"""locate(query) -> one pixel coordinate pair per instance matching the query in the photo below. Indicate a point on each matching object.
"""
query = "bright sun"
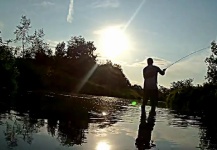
(114, 42)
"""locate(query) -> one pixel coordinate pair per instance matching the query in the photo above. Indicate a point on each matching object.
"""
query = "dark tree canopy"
(22, 33)
(8, 68)
(182, 84)
(212, 64)
(60, 50)
(78, 48)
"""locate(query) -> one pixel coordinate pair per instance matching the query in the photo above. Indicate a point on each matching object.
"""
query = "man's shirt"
(150, 74)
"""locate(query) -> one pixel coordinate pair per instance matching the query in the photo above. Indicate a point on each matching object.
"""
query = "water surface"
(79, 122)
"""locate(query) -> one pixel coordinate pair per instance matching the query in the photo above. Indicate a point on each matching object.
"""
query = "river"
(81, 122)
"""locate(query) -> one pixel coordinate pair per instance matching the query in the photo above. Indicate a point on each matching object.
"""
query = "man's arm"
(162, 72)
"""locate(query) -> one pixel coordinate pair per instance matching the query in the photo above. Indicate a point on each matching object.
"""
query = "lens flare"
(104, 113)
(134, 103)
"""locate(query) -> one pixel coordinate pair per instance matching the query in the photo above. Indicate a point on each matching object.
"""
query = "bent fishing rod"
(187, 56)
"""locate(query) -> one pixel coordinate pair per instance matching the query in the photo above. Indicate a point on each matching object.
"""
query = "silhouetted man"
(150, 74)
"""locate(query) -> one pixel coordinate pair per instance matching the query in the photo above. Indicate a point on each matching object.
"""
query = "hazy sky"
(134, 29)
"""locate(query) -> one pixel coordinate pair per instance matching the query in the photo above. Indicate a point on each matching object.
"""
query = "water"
(64, 122)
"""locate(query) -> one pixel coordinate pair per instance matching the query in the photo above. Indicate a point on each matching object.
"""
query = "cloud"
(105, 3)
(157, 61)
(53, 44)
(70, 13)
(45, 4)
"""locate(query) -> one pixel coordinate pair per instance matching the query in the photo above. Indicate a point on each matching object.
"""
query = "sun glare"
(114, 42)
(104, 113)
(103, 146)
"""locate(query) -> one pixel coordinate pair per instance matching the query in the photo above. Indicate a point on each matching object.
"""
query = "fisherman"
(150, 73)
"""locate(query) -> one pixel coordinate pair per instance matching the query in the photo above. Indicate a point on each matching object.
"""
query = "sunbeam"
(134, 15)
(84, 80)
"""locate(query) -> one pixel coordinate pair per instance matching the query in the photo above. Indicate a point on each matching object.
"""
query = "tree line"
(71, 68)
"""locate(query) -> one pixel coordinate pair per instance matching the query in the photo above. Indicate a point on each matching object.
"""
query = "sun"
(113, 42)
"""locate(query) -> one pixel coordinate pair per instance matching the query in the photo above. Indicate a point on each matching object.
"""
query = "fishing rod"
(187, 56)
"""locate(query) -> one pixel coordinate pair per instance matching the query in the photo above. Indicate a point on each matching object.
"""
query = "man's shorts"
(151, 95)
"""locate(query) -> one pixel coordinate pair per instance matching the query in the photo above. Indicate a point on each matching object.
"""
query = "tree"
(212, 64)
(1, 42)
(39, 48)
(182, 84)
(8, 70)
(80, 56)
(60, 50)
(78, 48)
(22, 32)
(111, 76)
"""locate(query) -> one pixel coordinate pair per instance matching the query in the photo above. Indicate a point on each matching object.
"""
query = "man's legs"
(145, 100)
(153, 99)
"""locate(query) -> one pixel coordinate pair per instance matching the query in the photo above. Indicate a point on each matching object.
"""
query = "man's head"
(150, 61)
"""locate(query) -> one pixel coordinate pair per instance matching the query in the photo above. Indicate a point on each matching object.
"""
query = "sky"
(126, 32)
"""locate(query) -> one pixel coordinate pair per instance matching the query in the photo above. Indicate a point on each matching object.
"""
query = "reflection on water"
(143, 141)
(103, 146)
(95, 123)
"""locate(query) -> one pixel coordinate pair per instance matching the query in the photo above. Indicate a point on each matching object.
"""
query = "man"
(150, 74)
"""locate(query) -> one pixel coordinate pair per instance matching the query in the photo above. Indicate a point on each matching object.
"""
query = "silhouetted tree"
(163, 93)
(111, 76)
(22, 31)
(1, 42)
(60, 50)
(78, 48)
(80, 54)
(8, 69)
(39, 48)
(182, 84)
(212, 64)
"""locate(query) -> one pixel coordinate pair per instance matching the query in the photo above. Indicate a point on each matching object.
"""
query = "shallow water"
(96, 123)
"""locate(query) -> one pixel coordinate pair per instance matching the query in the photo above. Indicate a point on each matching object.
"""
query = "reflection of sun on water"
(104, 113)
(103, 146)
(114, 42)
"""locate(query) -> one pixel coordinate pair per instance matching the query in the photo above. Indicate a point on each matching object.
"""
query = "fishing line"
(187, 56)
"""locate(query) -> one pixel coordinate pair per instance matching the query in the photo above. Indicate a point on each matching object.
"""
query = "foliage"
(22, 33)
(72, 64)
(183, 96)
(138, 89)
(8, 70)
(60, 50)
(163, 93)
(182, 84)
(39, 49)
(111, 76)
(212, 64)
(78, 48)
(199, 99)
